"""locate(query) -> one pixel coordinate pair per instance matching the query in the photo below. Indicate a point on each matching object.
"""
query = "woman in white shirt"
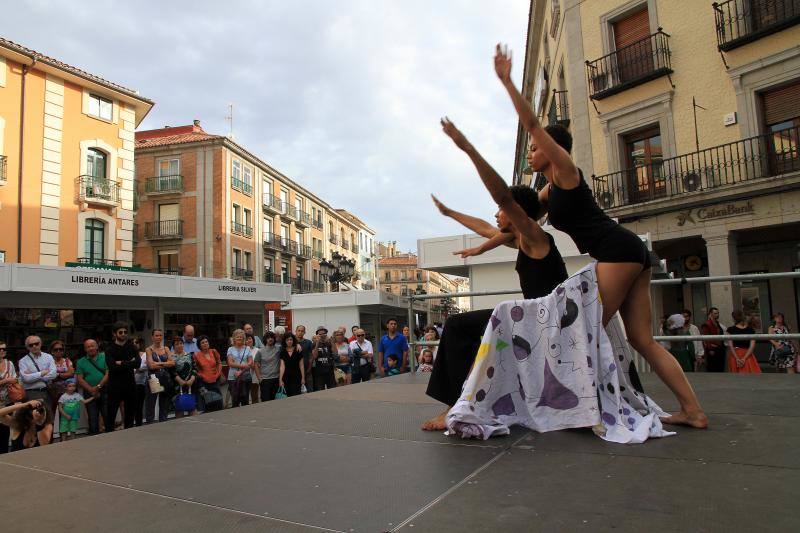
(363, 355)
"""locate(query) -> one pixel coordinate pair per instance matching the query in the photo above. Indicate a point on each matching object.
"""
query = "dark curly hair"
(560, 135)
(528, 200)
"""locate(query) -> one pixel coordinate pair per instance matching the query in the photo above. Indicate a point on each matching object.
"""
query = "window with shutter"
(634, 49)
(781, 108)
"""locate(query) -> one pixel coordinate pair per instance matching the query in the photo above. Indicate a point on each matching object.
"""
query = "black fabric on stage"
(461, 338)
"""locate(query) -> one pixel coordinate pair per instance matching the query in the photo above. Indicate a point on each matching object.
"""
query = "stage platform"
(353, 459)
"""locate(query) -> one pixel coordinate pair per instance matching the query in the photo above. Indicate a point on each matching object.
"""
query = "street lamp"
(338, 270)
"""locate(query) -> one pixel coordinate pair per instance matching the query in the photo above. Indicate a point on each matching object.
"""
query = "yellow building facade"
(66, 162)
(686, 124)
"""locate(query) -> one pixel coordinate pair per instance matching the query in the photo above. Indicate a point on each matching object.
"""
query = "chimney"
(196, 125)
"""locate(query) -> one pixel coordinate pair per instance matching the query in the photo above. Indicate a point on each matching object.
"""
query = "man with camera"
(363, 362)
(322, 360)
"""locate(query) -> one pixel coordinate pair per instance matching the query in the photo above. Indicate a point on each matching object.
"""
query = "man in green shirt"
(92, 374)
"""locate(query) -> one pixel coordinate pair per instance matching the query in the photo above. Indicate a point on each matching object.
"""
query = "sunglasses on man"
(34, 344)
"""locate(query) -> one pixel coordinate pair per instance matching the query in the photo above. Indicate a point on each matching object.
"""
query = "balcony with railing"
(559, 109)
(164, 185)
(242, 186)
(163, 229)
(273, 241)
(317, 223)
(97, 262)
(303, 219)
(94, 189)
(304, 251)
(740, 168)
(3, 161)
(238, 228)
(289, 211)
(300, 285)
(345, 244)
(354, 248)
(271, 277)
(318, 287)
(242, 273)
(318, 254)
(739, 22)
(333, 239)
(271, 203)
(632, 65)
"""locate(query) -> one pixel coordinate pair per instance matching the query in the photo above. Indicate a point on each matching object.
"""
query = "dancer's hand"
(454, 133)
(502, 63)
(468, 252)
(443, 209)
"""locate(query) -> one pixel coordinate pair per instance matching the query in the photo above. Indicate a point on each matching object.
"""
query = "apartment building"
(398, 273)
(359, 240)
(66, 162)
(686, 120)
(209, 207)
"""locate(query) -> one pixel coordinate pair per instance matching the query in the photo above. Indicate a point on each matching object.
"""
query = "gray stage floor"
(353, 459)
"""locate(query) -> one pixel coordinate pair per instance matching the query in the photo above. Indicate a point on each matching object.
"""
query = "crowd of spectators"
(121, 383)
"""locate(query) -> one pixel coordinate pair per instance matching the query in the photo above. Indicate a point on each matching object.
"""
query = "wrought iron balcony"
(94, 189)
(304, 251)
(97, 262)
(319, 254)
(303, 219)
(317, 223)
(289, 211)
(559, 109)
(242, 273)
(333, 239)
(3, 160)
(345, 244)
(271, 277)
(242, 186)
(720, 168)
(354, 248)
(163, 229)
(271, 203)
(240, 229)
(629, 66)
(164, 184)
(318, 287)
(273, 241)
(300, 285)
(739, 22)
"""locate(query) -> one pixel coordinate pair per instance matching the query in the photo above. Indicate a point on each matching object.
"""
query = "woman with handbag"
(741, 359)
(783, 354)
(159, 363)
(64, 371)
(10, 392)
(185, 379)
(209, 371)
(291, 375)
(344, 356)
(240, 361)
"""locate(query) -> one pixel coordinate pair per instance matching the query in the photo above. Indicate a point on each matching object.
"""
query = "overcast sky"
(342, 96)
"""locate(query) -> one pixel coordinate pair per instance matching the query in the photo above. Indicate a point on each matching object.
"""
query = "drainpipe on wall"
(25, 69)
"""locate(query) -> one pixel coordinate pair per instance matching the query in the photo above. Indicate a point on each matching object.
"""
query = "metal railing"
(163, 229)
(345, 244)
(273, 241)
(241, 229)
(762, 156)
(333, 239)
(97, 189)
(354, 248)
(272, 202)
(304, 251)
(300, 285)
(631, 65)
(242, 273)
(242, 186)
(92, 261)
(559, 109)
(739, 22)
(303, 218)
(271, 277)
(289, 211)
(319, 254)
(3, 166)
(641, 364)
(317, 223)
(163, 184)
(318, 287)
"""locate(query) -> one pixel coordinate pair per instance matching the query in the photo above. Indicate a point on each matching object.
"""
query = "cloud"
(344, 97)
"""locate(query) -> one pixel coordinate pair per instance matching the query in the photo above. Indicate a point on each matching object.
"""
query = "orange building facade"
(66, 162)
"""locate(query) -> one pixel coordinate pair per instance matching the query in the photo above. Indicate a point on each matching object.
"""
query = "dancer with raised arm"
(623, 263)
(539, 265)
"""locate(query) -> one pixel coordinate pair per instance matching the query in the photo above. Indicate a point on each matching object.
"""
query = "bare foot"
(698, 419)
(437, 422)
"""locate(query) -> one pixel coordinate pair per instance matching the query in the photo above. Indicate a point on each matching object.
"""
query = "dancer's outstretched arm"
(479, 226)
(498, 188)
(566, 175)
(499, 239)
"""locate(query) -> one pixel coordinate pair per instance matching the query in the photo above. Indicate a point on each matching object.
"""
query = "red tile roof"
(69, 68)
(176, 135)
(398, 260)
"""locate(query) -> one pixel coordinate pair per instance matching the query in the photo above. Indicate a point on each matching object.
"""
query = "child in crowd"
(426, 361)
(393, 370)
(69, 405)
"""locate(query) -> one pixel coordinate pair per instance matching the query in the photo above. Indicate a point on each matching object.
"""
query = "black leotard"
(575, 212)
(538, 277)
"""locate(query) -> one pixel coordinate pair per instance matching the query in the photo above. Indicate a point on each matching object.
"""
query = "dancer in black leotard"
(623, 265)
(539, 266)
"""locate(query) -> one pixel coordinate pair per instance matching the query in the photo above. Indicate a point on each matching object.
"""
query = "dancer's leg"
(636, 314)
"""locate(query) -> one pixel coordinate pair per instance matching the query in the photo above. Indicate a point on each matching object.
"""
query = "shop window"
(644, 155)
(101, 107)
(781, 110)
(95, 238)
